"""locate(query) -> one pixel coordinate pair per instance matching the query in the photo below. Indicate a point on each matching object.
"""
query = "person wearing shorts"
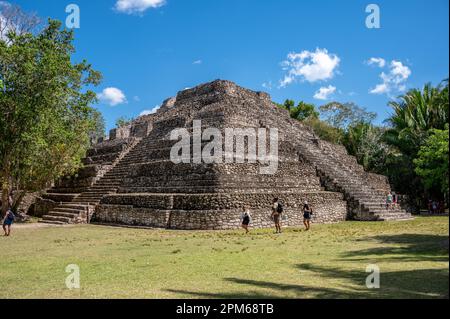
(307, 216)
(246, 219)
(276, 215)
(7, 222)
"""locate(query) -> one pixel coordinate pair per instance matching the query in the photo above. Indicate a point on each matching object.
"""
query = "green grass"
(328, 262)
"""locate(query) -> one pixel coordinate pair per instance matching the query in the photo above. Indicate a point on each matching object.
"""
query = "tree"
(123, 121)
(364, 141)
(343, 115)
(13, 18)
(304, 111)
(289, 104)
(99, 129)
(308, 114)
(45, 107)
(432, 161)
(415, 114)
(300, 112)
(324, 130)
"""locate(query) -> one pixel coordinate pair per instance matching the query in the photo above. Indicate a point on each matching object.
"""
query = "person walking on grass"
(277, 211)
(246, 218)
(307, 215)
(8, 220)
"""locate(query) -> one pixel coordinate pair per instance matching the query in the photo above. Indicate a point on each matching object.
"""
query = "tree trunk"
(5, 195)
(5, 184)
(18, 201)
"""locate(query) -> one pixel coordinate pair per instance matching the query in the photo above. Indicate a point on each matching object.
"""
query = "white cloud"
(309, 66)
(112, 96)
(380, 62)
(324, 92)
(197, 62)
(152, 111)
(267, 85)
(137, 6)
(394, 80)
(380, 89)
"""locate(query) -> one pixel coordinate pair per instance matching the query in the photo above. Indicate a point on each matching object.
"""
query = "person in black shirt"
(307, 216)
(246, 218)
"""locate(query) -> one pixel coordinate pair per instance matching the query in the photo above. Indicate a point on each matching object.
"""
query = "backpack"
(11, 216)
(280, 208)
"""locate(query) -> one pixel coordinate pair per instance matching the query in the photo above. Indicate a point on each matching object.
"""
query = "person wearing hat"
(307, 215)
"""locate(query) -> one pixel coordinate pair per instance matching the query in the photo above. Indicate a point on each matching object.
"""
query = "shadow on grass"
(416, 283)
(408, 248)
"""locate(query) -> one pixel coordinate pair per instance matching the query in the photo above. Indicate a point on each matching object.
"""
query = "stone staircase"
(340, 172)
(80, 209)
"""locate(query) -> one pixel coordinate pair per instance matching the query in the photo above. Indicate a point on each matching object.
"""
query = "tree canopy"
(45, 102)
(432, 161)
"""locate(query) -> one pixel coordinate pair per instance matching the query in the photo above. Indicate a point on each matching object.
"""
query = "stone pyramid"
(132, 178)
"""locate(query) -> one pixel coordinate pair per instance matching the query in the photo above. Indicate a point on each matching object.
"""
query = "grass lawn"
(328, 262)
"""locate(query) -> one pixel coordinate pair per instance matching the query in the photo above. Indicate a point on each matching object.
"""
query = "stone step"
(62, 214)
(384, 213)
(91, 198)
(61, 219)
(73, 206)
(406, 218)
(52, 222)
(100, 192)
(91, 202)
(68, 210)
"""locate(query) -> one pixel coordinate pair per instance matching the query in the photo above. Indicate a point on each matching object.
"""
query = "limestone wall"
(216, 211)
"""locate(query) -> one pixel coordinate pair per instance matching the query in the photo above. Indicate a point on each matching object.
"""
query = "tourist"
(307, 215)
(277, 211)
(246, 218)
(434, 207)
(8, 220)
(389, 200)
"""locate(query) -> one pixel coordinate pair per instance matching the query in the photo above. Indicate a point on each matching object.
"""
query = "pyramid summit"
(133, 179)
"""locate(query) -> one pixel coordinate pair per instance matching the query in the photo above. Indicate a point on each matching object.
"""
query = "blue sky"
(147, 50)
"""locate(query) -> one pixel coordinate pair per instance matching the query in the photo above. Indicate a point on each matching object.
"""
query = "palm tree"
(415, 114)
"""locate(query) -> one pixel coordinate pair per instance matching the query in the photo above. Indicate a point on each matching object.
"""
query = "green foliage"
(304, 111)
(416, 126)
(308, 114)
(123, 121)
(300, 112)
(98, 130)
(415, 114)
(325, 131)
(432, 161)
(45, 106)
(344, 115)
(363, 140)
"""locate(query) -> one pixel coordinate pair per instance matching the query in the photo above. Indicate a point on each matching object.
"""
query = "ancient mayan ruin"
(130, 179)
